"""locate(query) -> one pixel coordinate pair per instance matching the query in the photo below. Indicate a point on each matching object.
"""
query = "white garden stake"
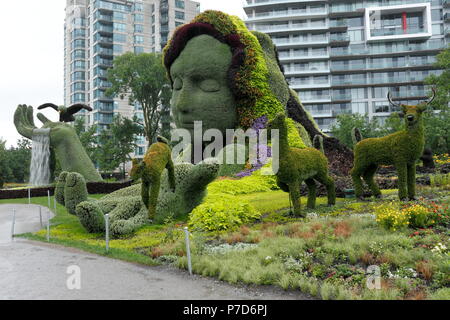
(40, 216)
(107, 231)
(48, 225)
(29, 196)
(49, 203)
(188, 250)
(13, 224)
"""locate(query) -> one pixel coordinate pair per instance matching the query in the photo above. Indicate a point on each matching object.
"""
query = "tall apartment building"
(343, 56)
(98, 30)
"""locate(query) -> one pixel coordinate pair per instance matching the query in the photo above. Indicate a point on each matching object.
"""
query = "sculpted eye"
(177, 84)
(210, 85)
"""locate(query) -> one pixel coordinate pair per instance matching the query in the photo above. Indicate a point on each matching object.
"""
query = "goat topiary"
(157, 158)
(75, 191)
(298, 165)
(59, 189)
(401, 149)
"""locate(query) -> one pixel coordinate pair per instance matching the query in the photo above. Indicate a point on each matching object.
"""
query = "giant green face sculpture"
(200, 87)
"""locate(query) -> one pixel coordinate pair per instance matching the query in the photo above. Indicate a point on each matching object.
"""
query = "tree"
(117, 143)
(342, 130)
(5, 172)
(19, 159)
(143, 78)
(87, 137)
(437, 129)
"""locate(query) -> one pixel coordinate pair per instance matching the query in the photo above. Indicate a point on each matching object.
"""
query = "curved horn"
(433, 97)
(392, 102)
(48, 105)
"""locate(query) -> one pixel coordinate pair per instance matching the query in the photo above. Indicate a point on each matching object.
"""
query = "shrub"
(222, 213)
(75, 191)
(91, 216)
(60, 185)
(440, 180)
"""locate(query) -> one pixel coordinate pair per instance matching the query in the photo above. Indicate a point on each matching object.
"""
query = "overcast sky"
(32, 51)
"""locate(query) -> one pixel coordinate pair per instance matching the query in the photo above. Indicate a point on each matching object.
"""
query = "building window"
(78, 75)
(138, 39)
(78, 86)
(177, 23)
(78, 44)
(179, 4)
(138, 50)
(117, 49)
(121, 27)
(139, 28)
(78, 97)
(117, 37)
(179, 15)
(138, 6)
(138, 17)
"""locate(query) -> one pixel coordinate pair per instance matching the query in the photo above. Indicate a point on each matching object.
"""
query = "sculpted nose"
(182, 104)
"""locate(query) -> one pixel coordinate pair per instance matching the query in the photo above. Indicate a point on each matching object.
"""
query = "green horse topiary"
(298, 165)
(157, 158)
(401, 149)
(75, 191)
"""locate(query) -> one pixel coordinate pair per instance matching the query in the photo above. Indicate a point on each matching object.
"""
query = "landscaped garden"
(388, 238)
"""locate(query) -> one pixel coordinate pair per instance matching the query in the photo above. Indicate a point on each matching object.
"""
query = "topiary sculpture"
(228, 77)
(128, 212)
(157, 158)
(64, 143)
(60, 186)
(298, 165)
(66, 114)
(75, 191)
(401, 149)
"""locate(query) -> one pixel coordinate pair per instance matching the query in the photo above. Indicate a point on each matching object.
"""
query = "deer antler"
(429, 101)
(392, 102)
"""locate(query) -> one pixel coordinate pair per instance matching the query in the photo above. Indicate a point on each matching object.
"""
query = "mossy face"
(200, 87)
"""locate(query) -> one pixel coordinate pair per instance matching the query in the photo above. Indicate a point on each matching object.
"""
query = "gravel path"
(35, 270)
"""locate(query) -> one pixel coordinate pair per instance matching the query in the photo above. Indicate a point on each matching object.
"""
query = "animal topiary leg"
(411, 181)
(402, 181)
(294, 191)
(145, 192)
(369, 178)
(154, 193)
(357, 172)
(312, 188)
(329, 184)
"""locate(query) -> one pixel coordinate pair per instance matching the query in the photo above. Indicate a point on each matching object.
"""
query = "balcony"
(447, 17)
(340, 25)
(347, 67)
(341, 97)
(296, 57)
(289, 27)
(346, 9)
(299, 42)
(103, 17)
(339, 39)
(348, 82)
(321, 113)
(447, 32)
(104, 29)
(303, 71)
(288, 13)
(396, 31)
(446, 3)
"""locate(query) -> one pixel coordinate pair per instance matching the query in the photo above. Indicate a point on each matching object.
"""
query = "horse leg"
(312, 188)
(369, 178)
(145, 192)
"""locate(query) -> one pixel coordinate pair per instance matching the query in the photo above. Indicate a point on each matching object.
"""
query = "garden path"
(34, 270)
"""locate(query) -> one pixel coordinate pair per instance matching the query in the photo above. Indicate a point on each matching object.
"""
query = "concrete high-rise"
(98, 30)
(343, 56)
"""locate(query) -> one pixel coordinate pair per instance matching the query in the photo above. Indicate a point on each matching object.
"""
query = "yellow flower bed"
(393, 217)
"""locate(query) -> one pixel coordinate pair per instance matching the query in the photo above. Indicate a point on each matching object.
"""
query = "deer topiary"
(401, 149)
(157, 158)
(298, 165)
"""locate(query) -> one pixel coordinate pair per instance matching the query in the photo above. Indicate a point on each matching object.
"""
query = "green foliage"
(346, 122)
(87, 137)
(251, 184)
(75, 191)
(60, 187)
(440, 180)
(117, 143)
(143, 77)
(15, 161)
(222, 214)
